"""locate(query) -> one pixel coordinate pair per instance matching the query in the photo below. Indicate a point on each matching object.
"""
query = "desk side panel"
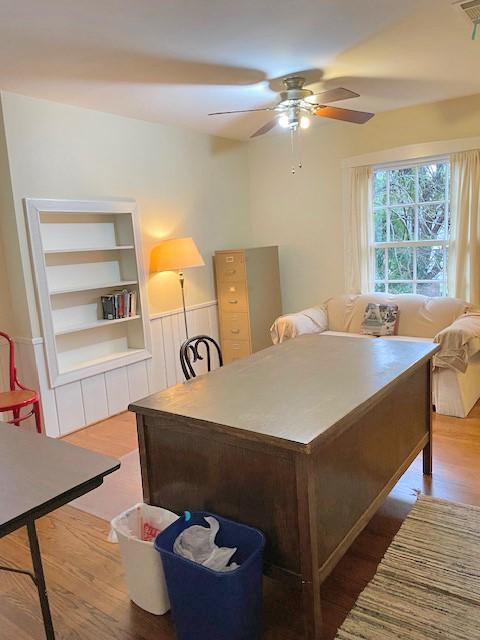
(356, 470)
(184, 468)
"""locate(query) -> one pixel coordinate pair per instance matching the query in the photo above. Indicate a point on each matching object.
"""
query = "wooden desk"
(38, 475)
(303, 440)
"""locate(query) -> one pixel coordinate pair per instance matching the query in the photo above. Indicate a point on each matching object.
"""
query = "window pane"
(431, 222)
(400, 263)
(430, 288)
(380, 188)
(380, 223)
(430, 263)
(402, 224)
(411, 206)
(402, 186)
(379, 264)
(432, 181)
(400, 287)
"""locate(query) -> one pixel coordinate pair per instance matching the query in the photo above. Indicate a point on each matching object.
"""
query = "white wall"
(185, 183)
(223, 193)
(303, 212)
(9, 256)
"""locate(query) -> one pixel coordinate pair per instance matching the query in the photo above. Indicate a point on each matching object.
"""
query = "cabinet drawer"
(232, 296)
(230, 267)
(235, 326)
(235, 349)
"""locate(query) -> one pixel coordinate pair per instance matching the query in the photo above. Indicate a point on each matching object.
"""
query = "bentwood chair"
(19, 397)
(190, 354)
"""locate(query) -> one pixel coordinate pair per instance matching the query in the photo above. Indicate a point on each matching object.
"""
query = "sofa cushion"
(339, 308)
(418, 315)
(380, 319)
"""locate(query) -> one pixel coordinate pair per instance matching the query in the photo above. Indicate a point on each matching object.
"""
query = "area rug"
(120, 490)
(427, 586)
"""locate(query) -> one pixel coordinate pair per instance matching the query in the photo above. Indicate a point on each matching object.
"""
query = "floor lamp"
(176, 254)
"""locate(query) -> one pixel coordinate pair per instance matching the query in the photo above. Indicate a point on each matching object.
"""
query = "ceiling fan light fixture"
(283, 121)
(304, 122)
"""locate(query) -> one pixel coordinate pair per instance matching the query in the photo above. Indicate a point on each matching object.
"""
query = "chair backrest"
(12, 374)
(189, 354)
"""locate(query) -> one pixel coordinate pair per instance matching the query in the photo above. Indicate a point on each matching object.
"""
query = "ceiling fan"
(298, 103)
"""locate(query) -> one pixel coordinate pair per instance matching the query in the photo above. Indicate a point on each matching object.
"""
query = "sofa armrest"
(312, 320)
(459, 342)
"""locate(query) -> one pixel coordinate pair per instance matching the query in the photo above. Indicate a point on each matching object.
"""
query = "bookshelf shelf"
(93, 287)
(82, 250)
(89, 249)
(97, 324)
(112, 357)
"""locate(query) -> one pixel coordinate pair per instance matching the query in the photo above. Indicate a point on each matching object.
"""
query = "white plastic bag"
(142, 522)
(134, 530)
(197, 543)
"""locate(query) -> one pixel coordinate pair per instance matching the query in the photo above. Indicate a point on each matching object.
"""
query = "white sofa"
(420, 318)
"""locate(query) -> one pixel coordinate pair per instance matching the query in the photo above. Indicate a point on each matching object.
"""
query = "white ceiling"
(174, 61)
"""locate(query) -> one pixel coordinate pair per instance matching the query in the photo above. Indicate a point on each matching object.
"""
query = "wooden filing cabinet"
(249, 299)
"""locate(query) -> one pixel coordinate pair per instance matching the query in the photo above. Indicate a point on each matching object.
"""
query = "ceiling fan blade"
(347, 115)
(265, 129)
(332, 95)
(222, 113)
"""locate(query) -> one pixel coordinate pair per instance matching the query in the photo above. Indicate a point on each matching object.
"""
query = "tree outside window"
(411, 228)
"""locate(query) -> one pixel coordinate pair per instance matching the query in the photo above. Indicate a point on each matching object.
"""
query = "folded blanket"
(313, 320)
(459, 342)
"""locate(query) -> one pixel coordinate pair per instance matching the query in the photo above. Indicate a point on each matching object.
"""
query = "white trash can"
(135, 531)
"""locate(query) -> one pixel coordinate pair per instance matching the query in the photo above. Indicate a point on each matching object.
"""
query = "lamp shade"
(174, 255)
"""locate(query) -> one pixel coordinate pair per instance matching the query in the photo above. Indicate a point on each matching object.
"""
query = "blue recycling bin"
(215, 605)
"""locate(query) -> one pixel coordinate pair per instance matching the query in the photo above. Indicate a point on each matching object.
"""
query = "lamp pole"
(181, 279)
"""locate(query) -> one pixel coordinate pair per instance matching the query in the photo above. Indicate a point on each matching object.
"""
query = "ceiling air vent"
(470, 9)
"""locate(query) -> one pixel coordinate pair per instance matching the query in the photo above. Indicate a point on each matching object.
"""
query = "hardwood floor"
(84, 576)
(115, 436)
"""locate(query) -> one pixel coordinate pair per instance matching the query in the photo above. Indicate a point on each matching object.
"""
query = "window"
(411, 228)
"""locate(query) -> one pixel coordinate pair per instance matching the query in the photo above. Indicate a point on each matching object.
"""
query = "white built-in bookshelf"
(82, 250)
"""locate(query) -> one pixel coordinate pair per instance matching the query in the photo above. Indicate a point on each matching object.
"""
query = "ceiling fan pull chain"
(299, 147)
(292, 140)
(475, 28)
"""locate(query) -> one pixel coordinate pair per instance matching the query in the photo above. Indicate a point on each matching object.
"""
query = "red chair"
(19, 396)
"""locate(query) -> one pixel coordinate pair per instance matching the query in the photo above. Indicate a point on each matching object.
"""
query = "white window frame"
(413, 244)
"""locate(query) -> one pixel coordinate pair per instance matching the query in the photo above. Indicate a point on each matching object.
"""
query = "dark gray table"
(38, 475)
(303, 440)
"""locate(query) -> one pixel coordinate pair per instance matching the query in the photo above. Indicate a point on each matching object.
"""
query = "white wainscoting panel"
(77, 404)
(116, 383)
(49, 404)
(70, 407)
(201, 320)
(138, 386)
(4, 386)
(156, 367)
(4, 377)
(94, 395)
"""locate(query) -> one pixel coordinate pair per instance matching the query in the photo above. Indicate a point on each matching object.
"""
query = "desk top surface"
(37, 471)
(293, 392)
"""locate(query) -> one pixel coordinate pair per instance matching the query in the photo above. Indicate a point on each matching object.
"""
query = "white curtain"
(358, 230)
(464, 251)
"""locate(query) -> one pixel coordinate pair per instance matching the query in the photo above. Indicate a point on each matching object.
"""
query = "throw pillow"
(379, 319)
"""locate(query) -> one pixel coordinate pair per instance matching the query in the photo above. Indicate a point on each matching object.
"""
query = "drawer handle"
(230, 272)
(233, 301)
(229, 259)
(234, 330)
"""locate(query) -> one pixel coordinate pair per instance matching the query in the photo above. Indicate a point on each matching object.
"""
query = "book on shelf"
(119, 304)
